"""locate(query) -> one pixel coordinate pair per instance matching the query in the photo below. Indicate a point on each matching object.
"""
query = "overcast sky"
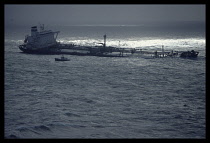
(101, 14)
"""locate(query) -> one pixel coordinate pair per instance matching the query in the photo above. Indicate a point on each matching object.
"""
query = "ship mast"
(105, 40)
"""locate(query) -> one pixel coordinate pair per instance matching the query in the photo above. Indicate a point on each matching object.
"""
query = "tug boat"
(40, 42)
(62, 59)
(189, 54)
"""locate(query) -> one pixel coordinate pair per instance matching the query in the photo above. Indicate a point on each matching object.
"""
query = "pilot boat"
(62, 59)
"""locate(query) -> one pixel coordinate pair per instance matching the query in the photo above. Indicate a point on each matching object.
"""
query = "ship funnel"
(33, 30)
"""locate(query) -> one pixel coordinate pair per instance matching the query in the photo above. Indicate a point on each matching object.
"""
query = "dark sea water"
(103, 97)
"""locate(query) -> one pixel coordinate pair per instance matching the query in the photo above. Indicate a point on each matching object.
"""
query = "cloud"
(101, 14)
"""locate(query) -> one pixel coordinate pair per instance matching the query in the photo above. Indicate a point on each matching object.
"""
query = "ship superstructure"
(43, 41)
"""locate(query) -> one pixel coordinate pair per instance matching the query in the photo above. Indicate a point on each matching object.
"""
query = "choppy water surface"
(103, 97)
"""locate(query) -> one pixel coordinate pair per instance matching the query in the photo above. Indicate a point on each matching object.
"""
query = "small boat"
(62, 59)
(189, 54)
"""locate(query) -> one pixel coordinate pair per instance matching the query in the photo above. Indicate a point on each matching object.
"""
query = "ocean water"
(107, 97)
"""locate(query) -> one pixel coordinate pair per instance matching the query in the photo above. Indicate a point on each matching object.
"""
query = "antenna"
(41, 27)
(47, 26)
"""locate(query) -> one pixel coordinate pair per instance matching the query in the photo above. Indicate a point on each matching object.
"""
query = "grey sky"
(101, 14)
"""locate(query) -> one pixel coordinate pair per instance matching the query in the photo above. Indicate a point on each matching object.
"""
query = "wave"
(11, 136)
(42, 127)
(72, 115)
(23, 131)
(9, 41)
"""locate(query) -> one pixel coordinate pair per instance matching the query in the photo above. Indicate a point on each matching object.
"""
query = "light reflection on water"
(138, 43)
